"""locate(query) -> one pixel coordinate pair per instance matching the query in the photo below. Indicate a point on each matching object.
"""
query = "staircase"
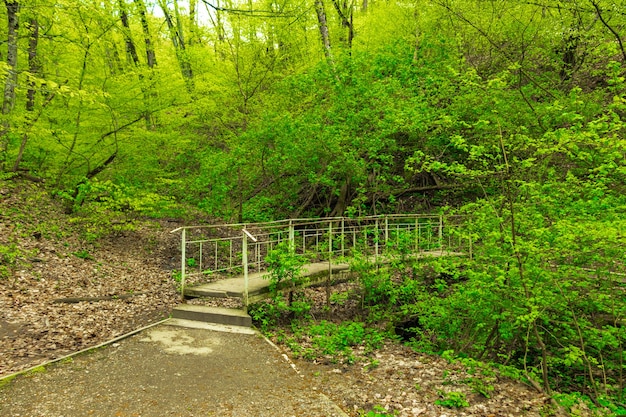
(215, 315)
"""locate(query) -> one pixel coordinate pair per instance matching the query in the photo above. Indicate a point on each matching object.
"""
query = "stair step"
(219, 315)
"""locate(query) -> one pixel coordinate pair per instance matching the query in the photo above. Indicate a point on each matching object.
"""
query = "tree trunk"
(131, 51)
(323, 26)
(34, 68)
(77, 120)
(148, 90)
(193, 24)
(345, 12)
(342, 201)
(150, 54)
(13, 8)
(176, 35)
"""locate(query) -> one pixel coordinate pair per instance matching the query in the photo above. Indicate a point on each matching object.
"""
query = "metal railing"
(210, 252)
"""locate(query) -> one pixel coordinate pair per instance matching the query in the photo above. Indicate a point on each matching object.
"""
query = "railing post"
(386, 231)
(292, 242)
(343, 237)
(330, 240)
(471, 255)
(417, 239)
(183, 262)
(441, 233)
(376, 241)
(244, 261)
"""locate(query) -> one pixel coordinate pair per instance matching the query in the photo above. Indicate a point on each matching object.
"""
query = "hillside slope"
(45, 257)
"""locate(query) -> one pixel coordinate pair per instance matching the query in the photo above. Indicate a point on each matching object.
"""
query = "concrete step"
(218, 315)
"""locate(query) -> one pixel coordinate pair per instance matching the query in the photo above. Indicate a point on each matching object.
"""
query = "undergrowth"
(557, 329)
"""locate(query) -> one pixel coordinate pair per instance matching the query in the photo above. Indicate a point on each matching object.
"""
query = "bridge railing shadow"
(212, 252)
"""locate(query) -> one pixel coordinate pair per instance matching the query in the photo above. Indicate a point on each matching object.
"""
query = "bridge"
(229, 260)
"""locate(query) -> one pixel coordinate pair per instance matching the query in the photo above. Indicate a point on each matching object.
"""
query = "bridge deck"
(258, 286)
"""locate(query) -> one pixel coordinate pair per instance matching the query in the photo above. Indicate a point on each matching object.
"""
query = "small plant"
(339, 298)
(481, 386)
(372, 365)
(377, 411)
(9, 255)
(337, 341)
(192, 263)
(452, 399)
(285, 267)
(83, 254)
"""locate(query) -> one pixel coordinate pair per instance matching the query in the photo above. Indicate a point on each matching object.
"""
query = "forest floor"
(55, 263)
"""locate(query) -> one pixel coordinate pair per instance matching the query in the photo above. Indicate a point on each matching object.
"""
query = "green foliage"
(284, 267)
(452, 399)
(9, 255)
(578, 404)
(94, 197)
(83, 254)
(377, 411)
(177, 276)
(424, 110)
(101, 208)
(337, 340)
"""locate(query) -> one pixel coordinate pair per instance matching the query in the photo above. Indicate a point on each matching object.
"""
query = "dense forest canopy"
(259, 110)
(509, 111)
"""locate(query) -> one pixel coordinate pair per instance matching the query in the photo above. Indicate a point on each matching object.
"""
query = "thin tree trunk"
(150, 54)
(176, 35)
(131, 50)
(346, 14)
(323, 26)
(34, 68)
(13, 8)
(193, 36)
(148, 90)
(77, 122)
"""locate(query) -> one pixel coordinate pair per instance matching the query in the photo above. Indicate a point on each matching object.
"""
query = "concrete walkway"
(170, 371)
(258, 284)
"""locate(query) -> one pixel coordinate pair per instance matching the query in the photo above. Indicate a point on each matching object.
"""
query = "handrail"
(207, 250)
